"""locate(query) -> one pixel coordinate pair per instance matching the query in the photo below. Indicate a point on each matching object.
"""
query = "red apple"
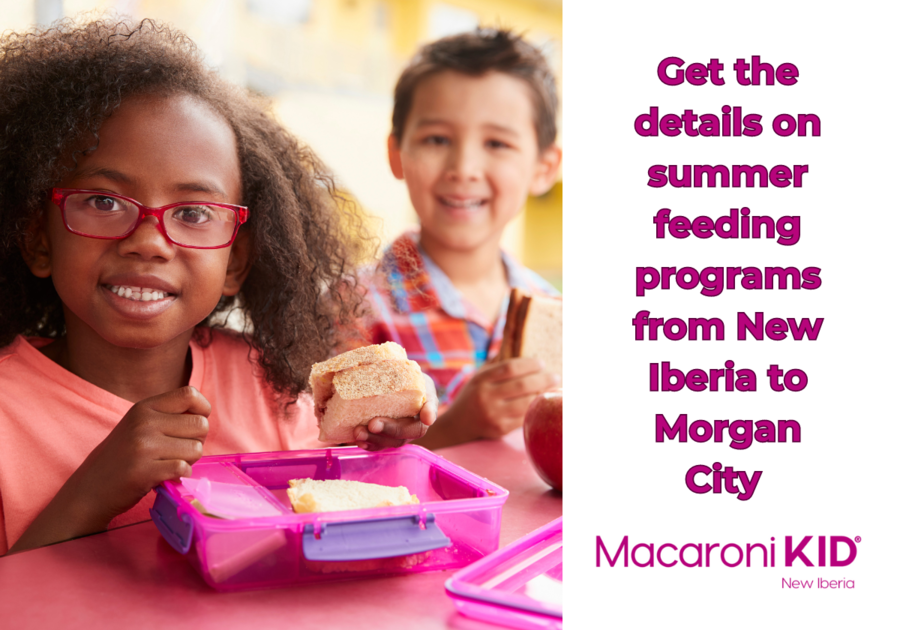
(543, 436)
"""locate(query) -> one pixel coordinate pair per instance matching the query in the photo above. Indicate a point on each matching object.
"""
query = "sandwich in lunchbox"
(334, 495)
(533, 329)
(376, 381)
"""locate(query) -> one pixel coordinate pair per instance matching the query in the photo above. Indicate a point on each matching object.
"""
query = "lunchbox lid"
(519, 585)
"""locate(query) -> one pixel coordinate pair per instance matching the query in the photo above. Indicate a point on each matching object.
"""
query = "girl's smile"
(140, 297)
(138, 294)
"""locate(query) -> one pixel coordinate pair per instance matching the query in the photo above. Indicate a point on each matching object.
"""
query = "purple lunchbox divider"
(461, 586)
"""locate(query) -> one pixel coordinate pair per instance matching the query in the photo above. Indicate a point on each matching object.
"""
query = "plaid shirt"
(418, 307)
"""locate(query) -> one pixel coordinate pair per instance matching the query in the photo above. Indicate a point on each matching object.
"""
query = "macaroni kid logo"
(827, 551)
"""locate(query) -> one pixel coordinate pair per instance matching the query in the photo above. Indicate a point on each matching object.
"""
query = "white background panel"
(841, 479)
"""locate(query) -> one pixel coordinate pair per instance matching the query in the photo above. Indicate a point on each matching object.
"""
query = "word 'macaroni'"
(832, 551)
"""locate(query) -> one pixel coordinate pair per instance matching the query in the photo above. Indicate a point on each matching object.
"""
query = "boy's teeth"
(468, 203)
(138, 294)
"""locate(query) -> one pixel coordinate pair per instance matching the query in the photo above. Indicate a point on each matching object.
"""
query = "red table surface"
(131, 578)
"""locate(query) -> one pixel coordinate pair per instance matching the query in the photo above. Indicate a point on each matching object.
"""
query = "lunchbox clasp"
(176, 528)
(372, 538)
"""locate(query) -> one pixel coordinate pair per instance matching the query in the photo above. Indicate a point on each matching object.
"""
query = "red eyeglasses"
(193, 224)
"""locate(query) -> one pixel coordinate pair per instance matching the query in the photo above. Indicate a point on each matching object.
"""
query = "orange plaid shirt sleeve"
(413, 303)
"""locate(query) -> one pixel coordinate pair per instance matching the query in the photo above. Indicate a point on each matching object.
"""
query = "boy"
(474, 129)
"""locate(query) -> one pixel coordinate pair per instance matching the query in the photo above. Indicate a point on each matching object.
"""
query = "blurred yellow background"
(329, 68)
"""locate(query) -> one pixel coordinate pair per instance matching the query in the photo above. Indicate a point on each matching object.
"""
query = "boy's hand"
(157, 440)
(382, 433)
(493, 402)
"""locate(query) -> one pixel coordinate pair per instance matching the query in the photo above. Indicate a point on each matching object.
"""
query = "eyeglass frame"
(59, 195)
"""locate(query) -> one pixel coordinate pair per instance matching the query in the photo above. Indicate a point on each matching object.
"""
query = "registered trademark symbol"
(858, 539)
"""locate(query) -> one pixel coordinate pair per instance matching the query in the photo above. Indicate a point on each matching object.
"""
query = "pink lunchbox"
(456, 522)
(518, 586)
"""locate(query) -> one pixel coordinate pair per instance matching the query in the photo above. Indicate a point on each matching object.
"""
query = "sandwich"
(375, 381)
(332, 495)
(533, 329)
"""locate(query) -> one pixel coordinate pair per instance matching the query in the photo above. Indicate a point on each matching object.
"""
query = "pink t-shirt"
(50, 420)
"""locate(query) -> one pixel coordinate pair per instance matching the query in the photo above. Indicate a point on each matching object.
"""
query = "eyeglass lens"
(197, 225)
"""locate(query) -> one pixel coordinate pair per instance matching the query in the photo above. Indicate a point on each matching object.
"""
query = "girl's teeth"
(138, 294)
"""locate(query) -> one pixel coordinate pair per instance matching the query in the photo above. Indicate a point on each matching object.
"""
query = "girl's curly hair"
(58, 86)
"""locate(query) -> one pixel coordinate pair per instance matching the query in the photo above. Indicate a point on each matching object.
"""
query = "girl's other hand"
(157, 440)
(382, 433)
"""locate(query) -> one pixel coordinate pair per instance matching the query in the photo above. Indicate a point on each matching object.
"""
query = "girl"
(142, 199)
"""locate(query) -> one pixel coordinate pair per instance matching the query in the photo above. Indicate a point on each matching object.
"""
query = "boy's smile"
(470, 157)
(144, 291)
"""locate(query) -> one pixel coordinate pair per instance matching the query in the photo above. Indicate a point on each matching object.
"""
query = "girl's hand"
(157, 440)
(492, 403)
(382, 433)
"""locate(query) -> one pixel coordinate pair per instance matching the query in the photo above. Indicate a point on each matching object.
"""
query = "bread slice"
(322, 374)
(370, 382)
(533, 329)
(540, 332)
(333, 495)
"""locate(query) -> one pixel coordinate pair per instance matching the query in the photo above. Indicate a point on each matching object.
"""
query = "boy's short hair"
(475, 54)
